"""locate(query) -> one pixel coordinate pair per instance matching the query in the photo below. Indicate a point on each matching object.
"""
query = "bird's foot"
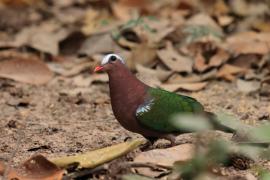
(149, 145)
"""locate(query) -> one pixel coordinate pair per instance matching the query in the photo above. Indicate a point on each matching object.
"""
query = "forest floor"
(56, 120)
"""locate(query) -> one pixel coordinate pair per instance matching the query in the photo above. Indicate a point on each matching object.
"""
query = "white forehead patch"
(106, 58)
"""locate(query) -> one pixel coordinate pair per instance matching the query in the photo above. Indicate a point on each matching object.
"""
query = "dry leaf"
(219, 58)
(247, 86)
(164, 157)
(225, 20)
(249, 43)
(98, 21)
(82, 81)
(262, 26)
(148, 76)
(124, 11)
(246, 61)
(245, 8)
(199, 63)
(205, 20)
(172, 59)
(98, 44)
(228, 72)
(94, 158)
(163, 74)
(37, 167)
(143, 54)
(157, 29)
(32, 71)
(44, 38)
(2, 168)
(75, 69)
(185, 86)
(177, 78)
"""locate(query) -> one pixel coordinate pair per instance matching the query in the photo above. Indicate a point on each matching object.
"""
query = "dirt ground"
(60, 119)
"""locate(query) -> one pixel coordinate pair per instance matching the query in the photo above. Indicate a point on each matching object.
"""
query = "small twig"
(148, 165)
(85, 172)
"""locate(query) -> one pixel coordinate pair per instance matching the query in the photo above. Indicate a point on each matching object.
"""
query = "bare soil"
(61, 119)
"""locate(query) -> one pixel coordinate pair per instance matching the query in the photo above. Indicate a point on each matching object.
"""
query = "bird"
(146, 110)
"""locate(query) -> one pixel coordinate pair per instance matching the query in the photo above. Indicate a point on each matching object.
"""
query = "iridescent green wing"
(161, 106)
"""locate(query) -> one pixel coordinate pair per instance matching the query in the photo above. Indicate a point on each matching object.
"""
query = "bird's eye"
(113, 58)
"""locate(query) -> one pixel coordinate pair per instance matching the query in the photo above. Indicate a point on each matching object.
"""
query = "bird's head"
(109, 62)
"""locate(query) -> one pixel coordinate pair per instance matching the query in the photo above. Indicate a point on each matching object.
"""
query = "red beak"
(98, 68)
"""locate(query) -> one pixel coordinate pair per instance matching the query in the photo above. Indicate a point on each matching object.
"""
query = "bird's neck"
(125, 86)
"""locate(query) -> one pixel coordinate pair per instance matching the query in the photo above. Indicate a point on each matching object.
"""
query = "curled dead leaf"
(2, 168)
(37, 167)
(184, 86)
(172, 59)
(167, 157)
(178, 78)
(32, 71)
(74, 70)
(164, 157)
(200, 63)
(94, 158)
(148, 76)
(249, 43)
(82, 81)
(142, 54)
(98, 21)
(219, 58)
(100, 43)
(228, 72)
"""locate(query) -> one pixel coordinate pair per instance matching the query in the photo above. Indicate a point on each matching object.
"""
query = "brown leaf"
(94, 22)
(73, 70)
(44, 38)
(219, 58)
(185, 86)
(204, 19)
(157, 29)
(249, 43)
(148, 76)
(2, 168)
(225, 20)
(172, 59)
(37, 167)
(199, 63)
(124, 11)
(82, 81)
(246, 60)
(177, 78)
(228, 72)
(98, 44)
(143, 54)
(262, 26)
(32, 71)
(164, 157)
(245, 8)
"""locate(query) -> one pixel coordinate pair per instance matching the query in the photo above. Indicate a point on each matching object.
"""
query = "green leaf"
(262, 133)
(265, 175)
(191, 122)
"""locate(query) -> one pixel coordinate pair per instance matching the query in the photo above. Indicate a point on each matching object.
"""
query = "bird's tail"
(217, 124)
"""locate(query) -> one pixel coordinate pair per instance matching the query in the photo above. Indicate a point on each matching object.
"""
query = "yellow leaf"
(94, 158)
